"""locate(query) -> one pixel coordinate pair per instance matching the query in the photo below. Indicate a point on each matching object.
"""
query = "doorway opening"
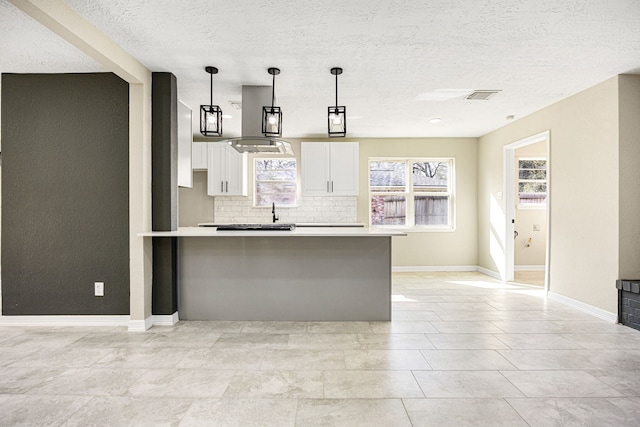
(527, 207)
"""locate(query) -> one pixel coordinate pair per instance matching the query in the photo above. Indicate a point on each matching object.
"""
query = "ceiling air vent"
(481, 95)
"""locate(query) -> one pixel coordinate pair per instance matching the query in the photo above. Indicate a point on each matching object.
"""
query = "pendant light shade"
(272, 116)
(338, 113)
(211, 115)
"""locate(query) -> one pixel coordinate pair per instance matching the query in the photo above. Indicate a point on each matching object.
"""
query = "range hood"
(253, 99)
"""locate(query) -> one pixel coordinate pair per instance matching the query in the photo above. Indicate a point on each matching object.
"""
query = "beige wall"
(629, 106)
(585, 184)
(530, 245)
(456, 248)
(194, 206)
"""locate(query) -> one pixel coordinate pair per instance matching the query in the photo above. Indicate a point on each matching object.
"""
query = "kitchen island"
(304, 274)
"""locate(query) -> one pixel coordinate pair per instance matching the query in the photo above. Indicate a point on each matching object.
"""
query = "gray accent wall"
(164, 151)
(164, 188)
(65, 194)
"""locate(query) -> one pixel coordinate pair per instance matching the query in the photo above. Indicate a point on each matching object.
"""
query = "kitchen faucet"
(273, 212)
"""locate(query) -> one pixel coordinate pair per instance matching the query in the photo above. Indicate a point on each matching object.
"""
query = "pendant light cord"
(273, 91)
(336, 92)
(211, 87)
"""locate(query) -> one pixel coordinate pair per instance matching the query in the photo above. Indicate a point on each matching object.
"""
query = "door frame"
(509, 156)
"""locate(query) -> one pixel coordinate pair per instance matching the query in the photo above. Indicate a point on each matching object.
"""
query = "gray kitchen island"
(305, 274)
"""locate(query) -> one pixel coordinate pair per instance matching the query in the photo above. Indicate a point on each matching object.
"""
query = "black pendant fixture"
(211, 115)
(337, 114)
(272, 116)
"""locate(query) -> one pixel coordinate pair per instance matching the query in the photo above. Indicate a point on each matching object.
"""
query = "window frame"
(256, 182)
(410, 194)
(532, 206)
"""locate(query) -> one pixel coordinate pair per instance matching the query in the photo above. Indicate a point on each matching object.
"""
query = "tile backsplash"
(237, 209)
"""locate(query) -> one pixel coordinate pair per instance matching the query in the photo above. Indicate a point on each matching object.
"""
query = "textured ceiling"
(404, 62)
(28, 47)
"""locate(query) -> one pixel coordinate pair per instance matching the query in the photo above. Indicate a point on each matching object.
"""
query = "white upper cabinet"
(185, 137)
(315, 169)
(344, 168)
(329, 168)
(227, 168)
(199, 155)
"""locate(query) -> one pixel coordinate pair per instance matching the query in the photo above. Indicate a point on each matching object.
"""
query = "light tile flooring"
(529, 277)
(463, 349)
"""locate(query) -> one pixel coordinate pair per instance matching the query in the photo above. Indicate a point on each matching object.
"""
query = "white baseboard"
(431, 268)
(529, 267)
(594, 311)
(140, 325)
(66, 320)
(428, 268)
(91, 320)
(165, 319)
(488, 272)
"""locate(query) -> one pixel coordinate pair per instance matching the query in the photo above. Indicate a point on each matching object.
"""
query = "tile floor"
(463, 349)
(529, 277)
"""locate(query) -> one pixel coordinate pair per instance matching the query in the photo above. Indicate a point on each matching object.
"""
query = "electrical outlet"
(536, 227)
(99, 289)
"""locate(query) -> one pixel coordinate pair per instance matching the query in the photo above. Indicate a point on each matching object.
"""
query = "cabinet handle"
(226, 186)
(328, 187)
(222, 186)
(332, 186)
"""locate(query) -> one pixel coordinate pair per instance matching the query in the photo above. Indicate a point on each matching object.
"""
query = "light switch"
(536, 227)
(499, 195)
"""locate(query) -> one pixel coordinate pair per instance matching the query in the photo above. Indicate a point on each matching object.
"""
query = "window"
(532, 183)
(411, 193)
(275, 182)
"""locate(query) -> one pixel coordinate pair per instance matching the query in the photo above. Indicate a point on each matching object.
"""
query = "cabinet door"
(236, 184)
(226, 174)
(315, 168)
(199, 155)
(185, 139)
(344, 168)
(217, 170)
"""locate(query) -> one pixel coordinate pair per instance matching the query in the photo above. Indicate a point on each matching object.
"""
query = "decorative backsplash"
(238, 209)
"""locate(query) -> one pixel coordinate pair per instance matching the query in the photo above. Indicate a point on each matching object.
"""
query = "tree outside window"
(411, 192)
(532, 182)
(276, 182)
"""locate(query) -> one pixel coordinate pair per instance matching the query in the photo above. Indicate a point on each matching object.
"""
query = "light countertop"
(301, 224)
(297, 232)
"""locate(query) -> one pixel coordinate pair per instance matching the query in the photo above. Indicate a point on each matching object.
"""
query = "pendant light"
(272, 116)
(211, 115)
(337, 114)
